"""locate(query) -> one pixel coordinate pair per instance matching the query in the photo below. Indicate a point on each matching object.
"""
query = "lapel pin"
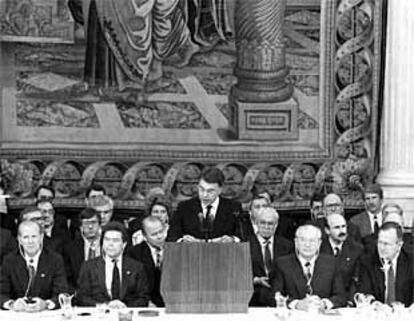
(42, 275)
(128, 272)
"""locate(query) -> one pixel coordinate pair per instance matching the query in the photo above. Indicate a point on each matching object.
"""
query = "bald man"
(32, 277)
(307, 277)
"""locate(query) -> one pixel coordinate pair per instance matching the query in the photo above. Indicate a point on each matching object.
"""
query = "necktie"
(376, 225)
(267, 256)
(390, 285)
(207, 219)
(91, 253)
(158, 259)
(32, 273)
(336, 251)
(308, 275)
(116, 282)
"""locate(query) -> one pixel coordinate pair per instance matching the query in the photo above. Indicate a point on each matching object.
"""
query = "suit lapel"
(257, 255)
(379, 276)
(147, 256)
(100, 267)
(219, 217)
(21, 272)
(126, 274)
(401, 276)
(317, 273)
(300, 280)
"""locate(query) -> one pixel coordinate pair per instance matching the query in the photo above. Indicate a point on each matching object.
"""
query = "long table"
(254, 314)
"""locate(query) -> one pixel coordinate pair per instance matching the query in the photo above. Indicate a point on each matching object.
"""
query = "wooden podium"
(206, 277)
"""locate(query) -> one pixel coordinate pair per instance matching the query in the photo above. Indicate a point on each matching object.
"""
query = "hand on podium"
(225, 239)
(261, 280)
(189, 238)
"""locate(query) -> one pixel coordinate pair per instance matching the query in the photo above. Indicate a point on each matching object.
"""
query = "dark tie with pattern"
(390, 285)
(267, 256)
(91, 253)
(158, 259)
(308, 275)
(336, 251)
(376, 225)
(116, 282)
(32, 273)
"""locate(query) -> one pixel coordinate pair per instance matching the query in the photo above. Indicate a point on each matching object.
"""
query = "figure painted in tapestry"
(128, 40)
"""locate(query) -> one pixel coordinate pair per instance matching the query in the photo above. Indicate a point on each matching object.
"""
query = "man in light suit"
(112, 277)
(347, 251)
(265, 247)
(369, 221)
(309, 278)
(150, 253)
(32, 277)
(208, 216)
(388, 272)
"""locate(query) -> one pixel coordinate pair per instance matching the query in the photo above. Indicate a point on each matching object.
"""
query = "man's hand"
(189, 238)
(310, 303)
(19, 305)
(261, 280)
(116, 304)
(38, 305)
(223, 239)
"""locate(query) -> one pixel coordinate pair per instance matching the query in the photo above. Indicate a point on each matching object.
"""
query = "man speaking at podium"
(208, 217)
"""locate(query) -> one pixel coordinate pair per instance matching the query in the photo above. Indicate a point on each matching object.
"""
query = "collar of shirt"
(32, 260)
(214, 207)
(372, 220)
(386, 264)
(303, 261)
(109, 268)
(154, 251)
(48, 231)
(262, 242)
(255, 229)
(334, 245)
(87, 244)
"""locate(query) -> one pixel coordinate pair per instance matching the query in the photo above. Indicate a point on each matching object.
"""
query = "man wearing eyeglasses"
(84, 247)
(32, 276)
(208, 217)
(55, 236)
(265, 247)
(311, 280)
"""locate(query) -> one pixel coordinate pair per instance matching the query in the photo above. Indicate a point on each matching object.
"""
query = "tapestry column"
(261, 103)
(397, 136)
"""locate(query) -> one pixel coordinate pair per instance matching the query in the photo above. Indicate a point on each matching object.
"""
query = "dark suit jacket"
(142, 253)
(348, 261)
(363, 223)
(281, 246)
(92, 287)
(7, 243)
(49, 281)
(290, 280)
(73, 256)
(372, 277)
(186, 219)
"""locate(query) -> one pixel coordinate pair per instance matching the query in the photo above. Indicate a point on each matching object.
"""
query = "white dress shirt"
(109, 268)
(372, 220)
(213, 210)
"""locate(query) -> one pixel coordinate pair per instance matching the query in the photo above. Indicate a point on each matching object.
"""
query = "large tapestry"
(163, 132)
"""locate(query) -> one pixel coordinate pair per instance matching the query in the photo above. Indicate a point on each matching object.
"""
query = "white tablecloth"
(254, 314)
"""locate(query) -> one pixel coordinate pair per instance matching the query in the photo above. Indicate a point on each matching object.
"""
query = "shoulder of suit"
(284, 259)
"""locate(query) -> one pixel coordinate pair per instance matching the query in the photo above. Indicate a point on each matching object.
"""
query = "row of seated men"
(328, 263)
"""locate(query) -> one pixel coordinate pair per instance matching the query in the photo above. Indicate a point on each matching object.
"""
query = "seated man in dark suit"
(100, 278)
(150, 253)
(31, 277)
(84, 247)
(345, 249)
(309, 279)
(388, 272)
(55, 235)
(208, 216)
(265, 247)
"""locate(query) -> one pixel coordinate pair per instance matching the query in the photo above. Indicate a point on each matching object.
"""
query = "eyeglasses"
(90, 223)
(309, 241)
(35, 219)
(264, 223)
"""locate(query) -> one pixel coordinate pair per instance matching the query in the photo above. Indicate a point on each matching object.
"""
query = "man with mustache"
(345, 249)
